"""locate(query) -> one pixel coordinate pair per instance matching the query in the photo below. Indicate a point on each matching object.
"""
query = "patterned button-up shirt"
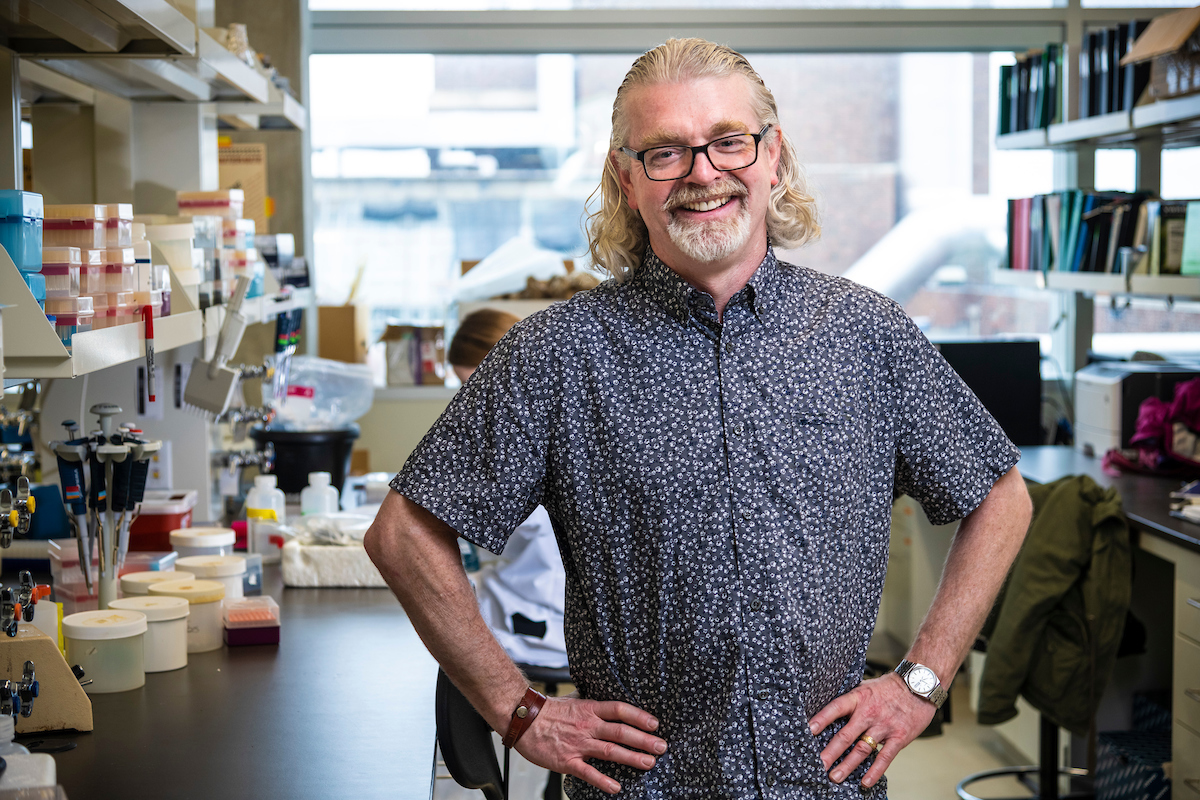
(721, 493)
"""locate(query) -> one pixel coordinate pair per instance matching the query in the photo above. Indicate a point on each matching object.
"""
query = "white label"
(228, 482)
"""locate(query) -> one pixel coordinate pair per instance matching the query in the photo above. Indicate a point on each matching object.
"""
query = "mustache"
(684, 195)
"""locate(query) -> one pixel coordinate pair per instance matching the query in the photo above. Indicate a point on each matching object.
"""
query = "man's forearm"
(418, 556)
(983, 549)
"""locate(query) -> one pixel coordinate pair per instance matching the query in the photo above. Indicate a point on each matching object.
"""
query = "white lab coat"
(527, 579)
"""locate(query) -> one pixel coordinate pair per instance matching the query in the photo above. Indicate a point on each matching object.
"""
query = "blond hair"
(617, 236)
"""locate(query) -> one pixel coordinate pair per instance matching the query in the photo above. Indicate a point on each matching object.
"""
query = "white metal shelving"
(103, 27)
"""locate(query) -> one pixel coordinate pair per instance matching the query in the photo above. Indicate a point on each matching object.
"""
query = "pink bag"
(1166, 440)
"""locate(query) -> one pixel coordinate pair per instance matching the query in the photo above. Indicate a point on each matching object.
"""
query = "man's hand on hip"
(568, 731)
(883, 709)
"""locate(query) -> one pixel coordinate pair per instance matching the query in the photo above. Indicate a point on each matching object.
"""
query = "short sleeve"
(481, 467)
(949, 450)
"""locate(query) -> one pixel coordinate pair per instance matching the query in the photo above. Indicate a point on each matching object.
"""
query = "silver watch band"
(937, 695)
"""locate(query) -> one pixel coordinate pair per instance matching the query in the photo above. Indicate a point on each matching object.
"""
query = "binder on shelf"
(1004, 106)
(1136, 76)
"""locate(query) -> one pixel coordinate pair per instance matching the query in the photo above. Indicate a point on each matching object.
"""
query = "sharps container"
(203, 541)
(204, 625)
(137, 584)
(108, 646)
(227, 570)
(165, 643)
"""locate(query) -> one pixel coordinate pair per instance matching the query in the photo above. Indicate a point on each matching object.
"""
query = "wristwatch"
(922, 681)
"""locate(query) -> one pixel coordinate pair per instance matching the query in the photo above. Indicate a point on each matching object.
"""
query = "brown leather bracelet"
(524, 715)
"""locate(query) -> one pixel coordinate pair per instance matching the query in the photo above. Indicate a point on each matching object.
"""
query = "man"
(717, 438)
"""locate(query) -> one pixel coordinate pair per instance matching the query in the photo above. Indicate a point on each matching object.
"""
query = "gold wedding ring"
(871, 743)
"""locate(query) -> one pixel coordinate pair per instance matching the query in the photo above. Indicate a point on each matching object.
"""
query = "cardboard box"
(1172, 46)
(415, 356)
(244, 166)
(343, 333)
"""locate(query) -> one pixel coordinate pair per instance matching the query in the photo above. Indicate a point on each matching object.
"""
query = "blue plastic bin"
(36, 282)
(21, 228)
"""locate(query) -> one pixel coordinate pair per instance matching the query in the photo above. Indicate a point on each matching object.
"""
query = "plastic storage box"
(237, 234)
(60, 267)
(91, 271)
(67, 325)
(118, 225)
(36, 282)
(165, 643)
(108, 646)
(120, 266)
(21, 228)
(79, 225)
(161, 512)
(149, 562)
(251, 620)
(227, 203)
(69, 305)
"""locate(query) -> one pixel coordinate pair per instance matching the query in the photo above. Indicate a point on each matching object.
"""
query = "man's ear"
(774, 149)
(624, 178)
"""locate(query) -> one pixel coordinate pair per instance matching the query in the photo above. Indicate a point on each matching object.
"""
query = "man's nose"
(703, 170)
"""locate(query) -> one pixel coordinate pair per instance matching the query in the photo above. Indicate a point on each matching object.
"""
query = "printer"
(1108, 395)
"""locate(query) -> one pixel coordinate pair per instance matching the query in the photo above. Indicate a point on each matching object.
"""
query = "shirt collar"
(672, 292)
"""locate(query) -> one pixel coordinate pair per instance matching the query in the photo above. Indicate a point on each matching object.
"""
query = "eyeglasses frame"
(697, 150)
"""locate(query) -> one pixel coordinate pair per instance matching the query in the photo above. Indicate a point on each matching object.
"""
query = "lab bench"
(341, 707)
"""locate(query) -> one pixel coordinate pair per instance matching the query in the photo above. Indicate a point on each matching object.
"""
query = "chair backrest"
(466, 742)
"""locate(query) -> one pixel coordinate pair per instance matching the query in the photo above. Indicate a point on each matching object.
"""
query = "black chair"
(465, 740)
(1047, 771)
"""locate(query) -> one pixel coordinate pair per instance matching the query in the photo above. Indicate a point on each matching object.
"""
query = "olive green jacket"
(1054, 637)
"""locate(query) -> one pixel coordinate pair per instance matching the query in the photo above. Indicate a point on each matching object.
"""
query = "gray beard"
(707, 242)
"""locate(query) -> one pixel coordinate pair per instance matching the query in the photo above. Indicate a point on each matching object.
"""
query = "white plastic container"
(165, 643)
(320, 496)
(264, 502)
(204, 623)
(229, 571)
(23, 770)
(8, 729)
(203, 541)
(108, 646)
(137, 584)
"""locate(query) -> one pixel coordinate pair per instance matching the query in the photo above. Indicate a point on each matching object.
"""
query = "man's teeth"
(707, 205)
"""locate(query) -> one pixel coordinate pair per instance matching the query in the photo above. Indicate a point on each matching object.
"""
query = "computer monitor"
(1007, 378)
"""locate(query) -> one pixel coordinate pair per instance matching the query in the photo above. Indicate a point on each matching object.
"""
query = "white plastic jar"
(227, 570)
(137, 584)
(165, 643)
(108, 646)
(204, 622)
(203, 541)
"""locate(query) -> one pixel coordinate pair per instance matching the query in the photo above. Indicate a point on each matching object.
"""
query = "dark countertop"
(1144, 497)
(342, 707)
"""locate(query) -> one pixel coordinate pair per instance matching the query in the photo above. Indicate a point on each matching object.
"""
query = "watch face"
(922, 680)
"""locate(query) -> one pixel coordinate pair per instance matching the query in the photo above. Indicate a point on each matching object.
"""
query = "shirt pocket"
(819, 452)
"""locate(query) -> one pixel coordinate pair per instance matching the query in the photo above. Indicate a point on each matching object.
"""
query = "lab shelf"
(102, 27)
(1178, 286)
(211, 74)
(1034, 139)
(1109, 129)
(280, 112)
(1177, 121)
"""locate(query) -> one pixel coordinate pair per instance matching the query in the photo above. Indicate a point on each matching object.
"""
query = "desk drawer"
(1185, 767)
(1186, 705)
(1187, 606)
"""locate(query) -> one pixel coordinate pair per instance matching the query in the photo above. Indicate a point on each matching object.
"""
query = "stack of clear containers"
(227, 203)
(76, 225)
(60, 267)
(118, 225)
(207, 240)
(115, 304)
(237, 234)
(235, 263)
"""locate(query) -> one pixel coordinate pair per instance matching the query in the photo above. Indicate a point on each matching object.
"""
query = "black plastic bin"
(298, 453)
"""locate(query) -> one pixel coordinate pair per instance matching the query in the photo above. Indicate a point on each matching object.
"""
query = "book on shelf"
(1172, 223)
(1189, 260)
(1031, 90)
(1076, 231)
(1105, 85)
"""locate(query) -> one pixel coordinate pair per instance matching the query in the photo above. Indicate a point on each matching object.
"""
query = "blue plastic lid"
(14, 203)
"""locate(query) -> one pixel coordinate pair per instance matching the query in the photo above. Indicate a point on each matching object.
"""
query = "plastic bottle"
(8, 729)
(264, 503)
(319, 497)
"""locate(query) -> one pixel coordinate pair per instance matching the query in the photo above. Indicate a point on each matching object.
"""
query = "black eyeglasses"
(675, 161)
